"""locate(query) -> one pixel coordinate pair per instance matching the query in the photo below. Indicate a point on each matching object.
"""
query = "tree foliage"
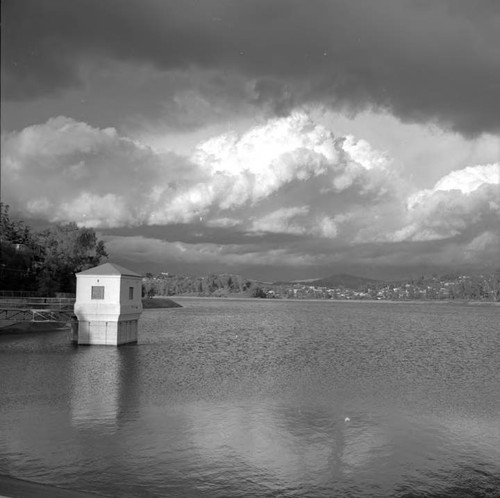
(46, 261)
(18, 251)
(14, 232)
(210, 285)
(67, 249)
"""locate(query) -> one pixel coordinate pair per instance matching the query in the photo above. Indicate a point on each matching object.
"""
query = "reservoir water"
(262, 398)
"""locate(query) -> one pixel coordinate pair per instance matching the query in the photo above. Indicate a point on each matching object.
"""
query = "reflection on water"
(281, 444)
(95, 387)
(245, 398)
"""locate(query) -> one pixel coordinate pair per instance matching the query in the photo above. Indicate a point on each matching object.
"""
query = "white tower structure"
(108, 305)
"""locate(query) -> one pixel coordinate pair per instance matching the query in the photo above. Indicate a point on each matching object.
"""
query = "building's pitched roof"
(108, 269)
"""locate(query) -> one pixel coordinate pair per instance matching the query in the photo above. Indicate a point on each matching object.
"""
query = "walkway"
(37, 309)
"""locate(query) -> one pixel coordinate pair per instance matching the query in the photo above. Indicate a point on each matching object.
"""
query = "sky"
(274, 139)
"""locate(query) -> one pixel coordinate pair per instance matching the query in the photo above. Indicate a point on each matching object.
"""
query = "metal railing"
(37, 309)
(5, 294)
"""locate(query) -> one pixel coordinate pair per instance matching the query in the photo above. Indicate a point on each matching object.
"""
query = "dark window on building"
(131, 293)
(98, 292)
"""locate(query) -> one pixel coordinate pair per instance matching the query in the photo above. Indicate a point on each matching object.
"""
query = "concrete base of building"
(107, 333)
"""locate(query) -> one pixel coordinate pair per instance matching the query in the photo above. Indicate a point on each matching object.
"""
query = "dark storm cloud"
(421, 60)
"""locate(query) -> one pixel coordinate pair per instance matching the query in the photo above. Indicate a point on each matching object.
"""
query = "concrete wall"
(116, 296)
(127, 305)
(87, 308)
(112, 320)
(110, 333)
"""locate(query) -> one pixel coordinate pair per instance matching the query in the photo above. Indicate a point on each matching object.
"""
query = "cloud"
(464, 201)
(485, 247)
(469, 179)
(421, 61)
(266, 158)
(287, 193)
(281, 221)
(144, 250)
(65, 170)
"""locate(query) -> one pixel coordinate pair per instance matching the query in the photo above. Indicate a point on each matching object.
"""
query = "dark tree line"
(45, 261)
(446, 287)
(217, 285)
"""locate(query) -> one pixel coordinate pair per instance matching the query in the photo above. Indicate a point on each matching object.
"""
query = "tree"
(256, 291)
(18, 253)
(67, 250)
(151, 293)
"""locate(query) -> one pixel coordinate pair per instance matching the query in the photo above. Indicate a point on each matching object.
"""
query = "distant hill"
(342, 280)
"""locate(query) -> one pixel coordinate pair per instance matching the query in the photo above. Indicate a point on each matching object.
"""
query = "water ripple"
(253, 398)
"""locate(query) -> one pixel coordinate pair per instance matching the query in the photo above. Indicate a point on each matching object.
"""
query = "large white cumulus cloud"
(464, 201)
(283, 150)
(64, 170)
(275, 170)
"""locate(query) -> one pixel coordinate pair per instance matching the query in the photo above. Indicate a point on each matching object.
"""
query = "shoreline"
(339, 301)
(13, 487)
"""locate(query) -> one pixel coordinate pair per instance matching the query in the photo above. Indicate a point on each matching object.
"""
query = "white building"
(108, 305)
